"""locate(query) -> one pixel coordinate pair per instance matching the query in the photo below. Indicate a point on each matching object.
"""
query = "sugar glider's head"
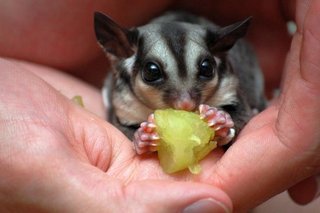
(171, 64)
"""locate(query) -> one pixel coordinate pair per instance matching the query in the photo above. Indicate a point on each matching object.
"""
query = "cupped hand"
(57, 157)
(280, 146)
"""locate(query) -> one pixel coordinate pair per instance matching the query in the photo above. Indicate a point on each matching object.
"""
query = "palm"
(273, 151)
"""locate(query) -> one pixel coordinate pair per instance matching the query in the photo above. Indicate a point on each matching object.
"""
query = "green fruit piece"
(184, 140)
(78, 100)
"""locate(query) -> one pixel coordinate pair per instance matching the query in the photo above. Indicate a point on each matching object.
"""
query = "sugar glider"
(180, 61)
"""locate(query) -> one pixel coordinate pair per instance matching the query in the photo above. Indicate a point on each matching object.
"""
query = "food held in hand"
(185, 139)
(77, 99)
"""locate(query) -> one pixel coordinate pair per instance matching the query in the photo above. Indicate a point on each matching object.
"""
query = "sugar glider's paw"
(220, 121)
(146, 139)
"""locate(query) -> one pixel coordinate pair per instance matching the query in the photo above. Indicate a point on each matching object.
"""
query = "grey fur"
(239, 83)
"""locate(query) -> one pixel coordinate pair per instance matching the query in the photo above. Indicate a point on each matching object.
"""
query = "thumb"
(305, 191)
(170, 196)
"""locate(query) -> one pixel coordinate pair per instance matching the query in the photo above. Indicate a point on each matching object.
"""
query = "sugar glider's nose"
(184, 102)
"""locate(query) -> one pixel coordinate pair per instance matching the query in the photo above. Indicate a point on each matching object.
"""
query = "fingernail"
(207, 205)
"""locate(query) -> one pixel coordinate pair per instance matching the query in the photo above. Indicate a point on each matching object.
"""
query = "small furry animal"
(180, 61)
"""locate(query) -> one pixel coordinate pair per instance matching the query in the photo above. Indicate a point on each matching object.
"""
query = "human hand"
(280, 162)
(57, 157)
(280, 146)
(308, 44)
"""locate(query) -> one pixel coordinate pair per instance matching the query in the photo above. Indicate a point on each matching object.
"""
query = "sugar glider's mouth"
(184, 102)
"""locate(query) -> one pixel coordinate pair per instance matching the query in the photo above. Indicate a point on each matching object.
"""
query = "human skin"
(56, 156)
(60, 33)
(275, 150)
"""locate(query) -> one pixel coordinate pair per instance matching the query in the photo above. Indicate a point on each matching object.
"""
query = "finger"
(310, 63)
(258, 166)
(274, 161)
(300, 100)
(97, 139)
(160, 196)
(302, 8)
(107, 194)
(305, 191)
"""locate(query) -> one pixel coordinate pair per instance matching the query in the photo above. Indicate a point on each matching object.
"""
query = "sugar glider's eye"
(206, 71)
(152, 73)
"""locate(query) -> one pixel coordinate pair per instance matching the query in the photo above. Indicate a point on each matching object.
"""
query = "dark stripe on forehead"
(175, 37)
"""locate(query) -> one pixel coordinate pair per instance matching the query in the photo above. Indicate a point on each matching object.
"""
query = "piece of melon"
(77, 99)
(185, 139)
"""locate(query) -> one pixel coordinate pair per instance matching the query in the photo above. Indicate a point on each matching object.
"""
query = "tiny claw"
(210, 113)
(219, 118)
(149, 136)
(151, 118)
(155, 137)
(151, 125)
(222, 132)
(227, 138)
(148, 127)
(202, 116)
(203, 108)
(206, 112)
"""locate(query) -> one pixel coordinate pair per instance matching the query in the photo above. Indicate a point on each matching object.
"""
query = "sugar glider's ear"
(226, 37)
(114, 39)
